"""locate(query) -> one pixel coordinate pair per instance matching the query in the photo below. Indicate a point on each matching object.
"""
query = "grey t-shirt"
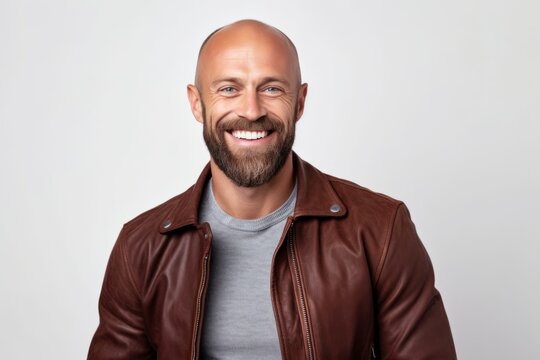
(239, 320)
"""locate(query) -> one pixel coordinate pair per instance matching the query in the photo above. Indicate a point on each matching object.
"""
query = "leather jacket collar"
(310, 180)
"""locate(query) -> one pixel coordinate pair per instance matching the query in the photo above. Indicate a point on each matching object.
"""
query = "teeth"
(249, 135)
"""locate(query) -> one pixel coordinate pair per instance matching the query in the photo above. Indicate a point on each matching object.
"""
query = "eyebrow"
(230, 79)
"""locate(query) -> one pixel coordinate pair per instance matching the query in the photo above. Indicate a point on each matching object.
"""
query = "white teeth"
(249, 135)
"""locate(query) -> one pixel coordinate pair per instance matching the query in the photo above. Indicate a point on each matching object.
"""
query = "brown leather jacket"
(350, 279)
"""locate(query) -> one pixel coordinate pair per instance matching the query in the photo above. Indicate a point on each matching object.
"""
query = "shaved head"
(245, 31)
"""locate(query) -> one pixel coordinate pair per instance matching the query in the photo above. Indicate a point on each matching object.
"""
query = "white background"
(435, 103)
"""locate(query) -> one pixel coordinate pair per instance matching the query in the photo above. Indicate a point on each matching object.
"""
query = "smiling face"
(248, 96)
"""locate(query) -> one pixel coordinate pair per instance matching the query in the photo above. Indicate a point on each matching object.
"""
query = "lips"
(249, 135)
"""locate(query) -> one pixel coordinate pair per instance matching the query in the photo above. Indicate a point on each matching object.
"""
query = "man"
(266, 257)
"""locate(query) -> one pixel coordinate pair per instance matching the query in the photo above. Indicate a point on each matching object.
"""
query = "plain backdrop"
(435, 103)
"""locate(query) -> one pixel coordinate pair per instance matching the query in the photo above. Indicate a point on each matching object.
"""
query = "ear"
(302, 93)
(195, 102)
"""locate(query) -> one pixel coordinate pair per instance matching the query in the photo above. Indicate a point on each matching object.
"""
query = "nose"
(251, 106)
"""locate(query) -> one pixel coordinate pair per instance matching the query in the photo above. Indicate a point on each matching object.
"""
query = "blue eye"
(272, 90)
(228, 90)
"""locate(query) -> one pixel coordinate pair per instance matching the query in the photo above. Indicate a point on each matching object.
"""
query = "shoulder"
(318, 189)
(363, 201)
(148, 223)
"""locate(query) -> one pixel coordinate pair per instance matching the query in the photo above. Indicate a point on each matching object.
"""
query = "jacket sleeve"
(120, 334)
(411, 317)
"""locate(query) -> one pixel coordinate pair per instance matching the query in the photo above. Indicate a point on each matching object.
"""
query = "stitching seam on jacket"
(128, 269)
(388, 237)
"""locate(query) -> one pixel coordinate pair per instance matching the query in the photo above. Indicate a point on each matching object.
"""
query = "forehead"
(248, 53)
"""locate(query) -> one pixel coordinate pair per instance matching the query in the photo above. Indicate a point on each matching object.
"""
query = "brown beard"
(249, 168)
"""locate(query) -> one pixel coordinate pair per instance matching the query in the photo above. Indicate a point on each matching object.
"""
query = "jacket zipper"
(303, 307)
(199, 310)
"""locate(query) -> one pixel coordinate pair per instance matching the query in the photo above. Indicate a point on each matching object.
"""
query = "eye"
(227, 90)
(272, 90)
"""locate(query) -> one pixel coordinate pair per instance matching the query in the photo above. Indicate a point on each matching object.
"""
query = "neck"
(253, 202)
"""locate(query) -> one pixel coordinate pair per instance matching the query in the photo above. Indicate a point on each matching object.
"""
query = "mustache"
(264, 123)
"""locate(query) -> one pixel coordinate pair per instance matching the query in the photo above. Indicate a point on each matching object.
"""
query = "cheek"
(220, 109)
(282, 107)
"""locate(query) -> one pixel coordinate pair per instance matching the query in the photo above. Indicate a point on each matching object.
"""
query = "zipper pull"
(373, 356)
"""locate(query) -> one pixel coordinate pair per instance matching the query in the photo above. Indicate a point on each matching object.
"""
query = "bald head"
(252, 37)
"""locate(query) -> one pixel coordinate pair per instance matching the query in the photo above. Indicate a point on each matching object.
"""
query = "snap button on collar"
(166, 224)
(335, 208)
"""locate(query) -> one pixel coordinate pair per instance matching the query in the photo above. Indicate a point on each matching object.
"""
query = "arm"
(120, 334)
(411, 317)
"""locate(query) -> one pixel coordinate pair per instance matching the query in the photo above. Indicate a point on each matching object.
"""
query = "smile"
(249, 135)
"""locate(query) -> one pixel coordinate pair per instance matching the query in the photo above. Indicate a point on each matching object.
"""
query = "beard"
(247, 167)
